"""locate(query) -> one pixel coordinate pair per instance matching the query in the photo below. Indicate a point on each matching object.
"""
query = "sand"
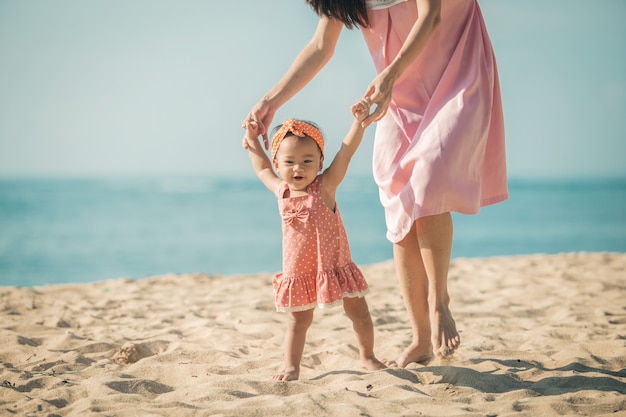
(542, 335)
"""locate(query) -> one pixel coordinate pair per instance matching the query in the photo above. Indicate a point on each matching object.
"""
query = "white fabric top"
(381, 4)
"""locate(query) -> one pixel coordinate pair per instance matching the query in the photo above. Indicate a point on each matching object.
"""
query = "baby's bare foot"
(288, 374)
(445, 338)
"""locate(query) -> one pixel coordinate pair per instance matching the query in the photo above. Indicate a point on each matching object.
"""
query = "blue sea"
(84, 230)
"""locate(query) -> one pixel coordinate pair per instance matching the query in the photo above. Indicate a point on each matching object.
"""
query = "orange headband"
(300, 129)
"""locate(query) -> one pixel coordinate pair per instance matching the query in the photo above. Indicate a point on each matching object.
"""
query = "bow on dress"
(299, 213)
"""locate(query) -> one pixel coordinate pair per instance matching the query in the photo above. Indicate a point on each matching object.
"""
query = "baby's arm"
(336, 172)
(260, 161)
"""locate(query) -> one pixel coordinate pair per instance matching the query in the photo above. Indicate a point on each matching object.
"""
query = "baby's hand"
(361, 109)
(252, 133)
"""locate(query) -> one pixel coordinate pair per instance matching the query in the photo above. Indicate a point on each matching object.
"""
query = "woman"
(439, 143)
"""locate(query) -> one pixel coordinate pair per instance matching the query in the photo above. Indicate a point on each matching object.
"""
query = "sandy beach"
(542, 335)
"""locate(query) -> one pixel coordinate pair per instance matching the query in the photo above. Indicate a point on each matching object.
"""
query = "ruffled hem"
(320, 306)
(295, 309)
(325, 289)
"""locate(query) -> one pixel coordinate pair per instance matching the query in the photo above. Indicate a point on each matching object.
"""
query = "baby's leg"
(357, 310)
(299, 323)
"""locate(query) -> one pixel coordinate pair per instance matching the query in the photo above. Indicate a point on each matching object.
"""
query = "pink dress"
(440, 147)
(317, 265)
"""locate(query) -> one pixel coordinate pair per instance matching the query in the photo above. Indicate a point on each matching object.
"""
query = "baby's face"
(298, 160)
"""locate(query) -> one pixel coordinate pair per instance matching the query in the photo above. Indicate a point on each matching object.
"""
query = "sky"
(160, 87)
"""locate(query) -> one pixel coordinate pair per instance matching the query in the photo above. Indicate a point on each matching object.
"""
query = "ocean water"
(85, 230)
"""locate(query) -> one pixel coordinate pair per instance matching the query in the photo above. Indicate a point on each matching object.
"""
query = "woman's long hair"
(352, 13)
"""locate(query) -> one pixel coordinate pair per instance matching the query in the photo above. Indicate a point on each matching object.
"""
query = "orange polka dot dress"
(317, 265)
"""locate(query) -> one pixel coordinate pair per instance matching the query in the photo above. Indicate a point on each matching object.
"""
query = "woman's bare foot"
(445, 338)
(373, 364)
(288, 374)
(413, 353)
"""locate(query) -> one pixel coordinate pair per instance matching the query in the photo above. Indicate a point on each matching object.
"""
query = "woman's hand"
(379, 94)
(307, 64)
(380, 89)
(262, 114)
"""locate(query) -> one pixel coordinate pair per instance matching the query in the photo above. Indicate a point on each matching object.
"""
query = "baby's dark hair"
(352, 13)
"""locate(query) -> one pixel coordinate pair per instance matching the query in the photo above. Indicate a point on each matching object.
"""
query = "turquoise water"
(85, 230)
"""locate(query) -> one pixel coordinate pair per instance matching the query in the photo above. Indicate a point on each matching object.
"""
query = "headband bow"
(298, 128)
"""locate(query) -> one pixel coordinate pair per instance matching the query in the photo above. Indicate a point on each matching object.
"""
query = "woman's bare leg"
(299, 323)
(414, 287)
(356, 309)
(434, 234)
